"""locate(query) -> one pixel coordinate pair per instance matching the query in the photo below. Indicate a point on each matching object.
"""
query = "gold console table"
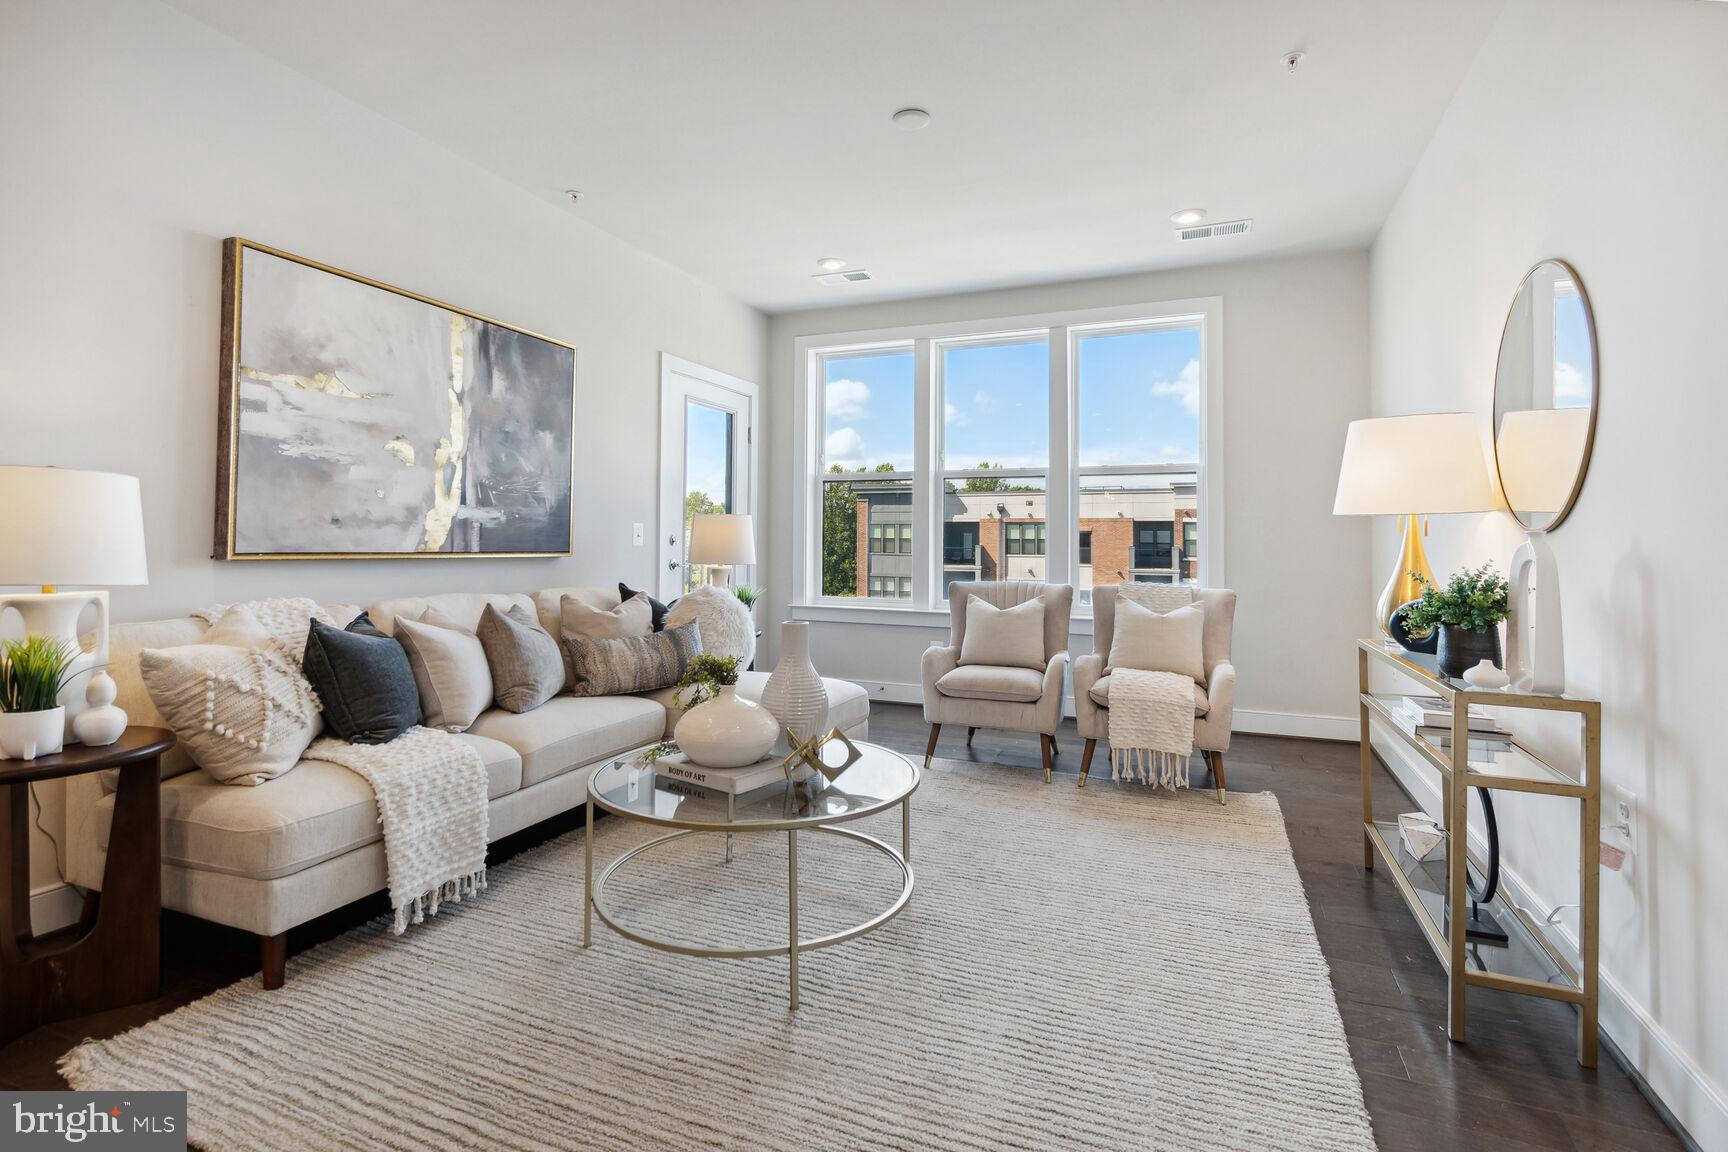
(1437, 890)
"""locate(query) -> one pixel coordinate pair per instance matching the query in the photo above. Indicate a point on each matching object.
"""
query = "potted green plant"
(1467, 611)
(719, 730)
(32, 672)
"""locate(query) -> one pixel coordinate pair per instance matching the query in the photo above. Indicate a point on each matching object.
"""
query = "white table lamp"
(1411, 466)
(61, 526)
(1537, 451)
(721, 541)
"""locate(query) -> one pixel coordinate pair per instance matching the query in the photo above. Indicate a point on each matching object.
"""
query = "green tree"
(839, 538)
(699, 503)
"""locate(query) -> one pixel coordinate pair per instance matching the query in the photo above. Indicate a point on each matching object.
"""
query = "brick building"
(1125, 534)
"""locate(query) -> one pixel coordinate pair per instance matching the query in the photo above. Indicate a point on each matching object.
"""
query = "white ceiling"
(743, 139)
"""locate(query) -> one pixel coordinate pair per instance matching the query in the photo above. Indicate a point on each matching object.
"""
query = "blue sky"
(1139, 403)
(707, 438)
(1571, 353)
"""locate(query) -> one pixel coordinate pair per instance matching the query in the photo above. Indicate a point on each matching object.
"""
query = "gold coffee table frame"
(594, 884)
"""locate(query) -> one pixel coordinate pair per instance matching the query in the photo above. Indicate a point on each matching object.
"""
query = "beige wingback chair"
(1214, 701)
(1008, 699)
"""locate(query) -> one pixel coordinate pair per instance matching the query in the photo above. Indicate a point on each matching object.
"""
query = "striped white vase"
(794, 692)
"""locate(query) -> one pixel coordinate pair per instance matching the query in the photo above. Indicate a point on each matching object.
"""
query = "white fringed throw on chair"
(1152, 713)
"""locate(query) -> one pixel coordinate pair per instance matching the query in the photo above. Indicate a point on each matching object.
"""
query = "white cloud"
(1185, 388)
(1174, 452)
(952, 413)
(847, 399)
(1571, 390)
(983, 401)
(844, 447)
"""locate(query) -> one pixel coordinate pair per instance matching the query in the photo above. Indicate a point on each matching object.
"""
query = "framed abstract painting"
(364, 421)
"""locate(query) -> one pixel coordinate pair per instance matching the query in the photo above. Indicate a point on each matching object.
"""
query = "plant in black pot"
(1467, 611)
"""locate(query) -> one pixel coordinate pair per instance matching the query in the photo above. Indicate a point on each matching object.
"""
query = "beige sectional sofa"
(267, 858)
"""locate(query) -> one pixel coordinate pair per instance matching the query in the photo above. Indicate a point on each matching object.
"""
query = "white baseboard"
(893, 691)
(53, 907)
(1305, 725)
(1665, 1070)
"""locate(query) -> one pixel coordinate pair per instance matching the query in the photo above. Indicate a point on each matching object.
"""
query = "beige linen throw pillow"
(1154, 642)
(450, 670)
(579, 621)
(1004, 637)
(242, 709)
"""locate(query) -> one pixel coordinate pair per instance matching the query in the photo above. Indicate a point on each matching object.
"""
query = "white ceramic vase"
(101, 723)
(27, 735)
(1484, 675)
(794, 692)
(726, 732)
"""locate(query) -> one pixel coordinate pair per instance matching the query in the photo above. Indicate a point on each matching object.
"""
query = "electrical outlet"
(1626, 811)
(636, 535)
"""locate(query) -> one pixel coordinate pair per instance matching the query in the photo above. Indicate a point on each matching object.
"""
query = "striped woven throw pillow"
(626, 664)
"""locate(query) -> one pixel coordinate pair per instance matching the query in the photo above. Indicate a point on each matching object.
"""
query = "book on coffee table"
(731, 781)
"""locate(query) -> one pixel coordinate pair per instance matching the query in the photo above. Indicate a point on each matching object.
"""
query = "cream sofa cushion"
(1101, 695)
(573, 731)
(314, 813)
(1159, 642)
(463, 608)
(125, 643)
(988, 682)
(1004, 637)
(243, 709)
(548, 601)
(450, 669)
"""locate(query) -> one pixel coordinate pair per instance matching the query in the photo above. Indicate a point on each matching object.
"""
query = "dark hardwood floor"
(1515, 1084)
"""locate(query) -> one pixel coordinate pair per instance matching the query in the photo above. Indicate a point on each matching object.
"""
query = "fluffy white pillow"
(727, 627)
(1154, 642)
(243, 710)
(450, 670)
(1004, 637)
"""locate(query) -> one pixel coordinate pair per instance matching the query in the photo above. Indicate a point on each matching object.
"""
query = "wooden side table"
(112, 956)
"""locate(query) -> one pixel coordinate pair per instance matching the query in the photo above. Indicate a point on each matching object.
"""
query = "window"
(866, 468)
(1070, 447)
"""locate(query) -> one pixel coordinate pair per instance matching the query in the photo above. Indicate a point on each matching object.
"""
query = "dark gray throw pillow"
(632, 663)
(527, 668)
(363, 680)
(656, 610)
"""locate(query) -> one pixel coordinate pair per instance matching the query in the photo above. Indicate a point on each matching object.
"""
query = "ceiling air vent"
(1207, 231)
(850, 276)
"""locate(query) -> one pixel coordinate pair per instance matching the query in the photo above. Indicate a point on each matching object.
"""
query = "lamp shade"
(722, 539)
(60, 526)
(1413, 465)
(1539, 451)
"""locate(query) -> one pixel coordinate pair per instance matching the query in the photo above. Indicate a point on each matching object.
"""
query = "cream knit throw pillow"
(241, 707)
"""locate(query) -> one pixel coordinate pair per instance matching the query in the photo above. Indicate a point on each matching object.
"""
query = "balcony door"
(707, 462)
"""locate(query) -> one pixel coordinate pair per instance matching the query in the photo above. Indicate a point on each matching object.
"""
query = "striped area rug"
(1107, 968)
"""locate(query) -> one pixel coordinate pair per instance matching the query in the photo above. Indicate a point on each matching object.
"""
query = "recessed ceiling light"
(830, 263)
(1292, 60)
(911, 119)
(573, 193)
(1188, 216)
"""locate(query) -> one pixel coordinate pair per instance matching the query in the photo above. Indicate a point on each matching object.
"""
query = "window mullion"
(1060, 499)
(926, 451)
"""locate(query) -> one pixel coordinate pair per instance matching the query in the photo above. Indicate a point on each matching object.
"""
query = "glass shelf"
(1494, 761)
(1526, 955)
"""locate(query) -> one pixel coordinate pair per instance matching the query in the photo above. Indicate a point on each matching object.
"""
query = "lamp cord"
(37, 801)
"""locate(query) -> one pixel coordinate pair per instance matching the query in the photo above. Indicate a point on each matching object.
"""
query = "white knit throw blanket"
(1152, 713)
(431, 790)
(430, 786)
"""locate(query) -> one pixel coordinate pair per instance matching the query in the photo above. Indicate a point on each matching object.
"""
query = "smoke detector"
(1207, 231)
(850, 276)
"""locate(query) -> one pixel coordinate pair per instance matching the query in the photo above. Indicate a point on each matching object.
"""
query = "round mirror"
(1545, 396)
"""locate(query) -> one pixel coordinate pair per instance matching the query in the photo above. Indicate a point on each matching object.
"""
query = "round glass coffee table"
(876, 782)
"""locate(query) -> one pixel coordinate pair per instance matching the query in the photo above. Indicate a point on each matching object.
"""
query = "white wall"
(1592, 130)
(1295, 373)
(134, 139)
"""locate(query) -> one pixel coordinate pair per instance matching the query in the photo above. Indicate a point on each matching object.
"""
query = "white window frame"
(927, 607)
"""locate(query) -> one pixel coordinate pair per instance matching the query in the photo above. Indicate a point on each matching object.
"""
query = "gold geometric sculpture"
(810, 752)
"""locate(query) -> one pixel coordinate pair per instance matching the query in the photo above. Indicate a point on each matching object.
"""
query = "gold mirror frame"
(1595, 393)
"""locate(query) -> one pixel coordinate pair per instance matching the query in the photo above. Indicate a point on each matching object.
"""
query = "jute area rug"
(1107, 968)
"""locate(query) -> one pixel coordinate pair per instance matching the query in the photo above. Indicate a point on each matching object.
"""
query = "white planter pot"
(794, 692)
(726, 732)
(27, 735)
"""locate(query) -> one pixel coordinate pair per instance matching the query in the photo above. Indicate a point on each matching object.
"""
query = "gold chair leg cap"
(1220, 797)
